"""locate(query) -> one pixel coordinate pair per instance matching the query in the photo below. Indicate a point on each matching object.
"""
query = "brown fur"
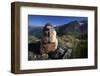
(49, 41)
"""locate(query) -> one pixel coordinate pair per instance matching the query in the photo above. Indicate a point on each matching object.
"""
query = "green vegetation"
(32, 39)
(78, 46)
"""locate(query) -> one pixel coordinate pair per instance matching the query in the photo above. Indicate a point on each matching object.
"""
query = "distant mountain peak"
(74, 27)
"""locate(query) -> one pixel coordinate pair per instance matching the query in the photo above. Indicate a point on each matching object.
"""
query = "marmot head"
(46, 30)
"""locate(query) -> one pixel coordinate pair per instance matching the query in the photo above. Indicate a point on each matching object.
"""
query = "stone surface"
(60, 53)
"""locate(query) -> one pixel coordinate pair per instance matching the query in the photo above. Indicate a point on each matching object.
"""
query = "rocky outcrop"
(59, 53)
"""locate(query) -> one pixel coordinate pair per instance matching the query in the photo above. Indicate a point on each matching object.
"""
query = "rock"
(31, 56)
(67, 54)
(57, 54)
(60, 53)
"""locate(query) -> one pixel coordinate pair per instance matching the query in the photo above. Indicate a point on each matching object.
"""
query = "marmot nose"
(46, 33)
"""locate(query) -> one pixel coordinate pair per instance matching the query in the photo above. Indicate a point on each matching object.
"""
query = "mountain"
(75, 28)
(36, 31)
(84, 27)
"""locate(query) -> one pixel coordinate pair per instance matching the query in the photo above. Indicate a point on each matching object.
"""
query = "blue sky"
(41, 20)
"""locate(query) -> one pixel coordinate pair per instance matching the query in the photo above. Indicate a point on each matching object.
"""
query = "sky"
(41, 20)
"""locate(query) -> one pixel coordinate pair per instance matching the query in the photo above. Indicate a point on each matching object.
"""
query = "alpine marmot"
(49, 40)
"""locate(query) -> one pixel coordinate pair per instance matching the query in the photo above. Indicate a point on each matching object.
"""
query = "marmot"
(49, 40)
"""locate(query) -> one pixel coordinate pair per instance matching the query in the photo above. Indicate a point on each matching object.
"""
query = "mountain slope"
(73, 28)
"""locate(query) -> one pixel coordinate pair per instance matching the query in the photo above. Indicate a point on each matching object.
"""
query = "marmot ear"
(48, 24)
